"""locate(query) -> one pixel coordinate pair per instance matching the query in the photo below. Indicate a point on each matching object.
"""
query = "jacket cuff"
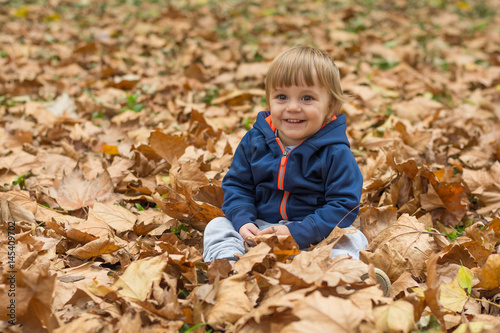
(240, 218)
(304, 233)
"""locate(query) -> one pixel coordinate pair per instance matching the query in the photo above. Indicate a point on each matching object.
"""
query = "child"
(293, 173)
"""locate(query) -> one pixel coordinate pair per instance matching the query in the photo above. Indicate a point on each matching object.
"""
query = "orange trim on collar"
(270, 122)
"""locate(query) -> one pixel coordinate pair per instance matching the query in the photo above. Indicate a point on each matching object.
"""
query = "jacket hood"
(332, 133)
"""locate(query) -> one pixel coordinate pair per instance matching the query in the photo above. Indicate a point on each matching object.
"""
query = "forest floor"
(119, 120)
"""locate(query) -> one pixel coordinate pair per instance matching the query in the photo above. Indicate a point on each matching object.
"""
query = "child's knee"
(217, 224)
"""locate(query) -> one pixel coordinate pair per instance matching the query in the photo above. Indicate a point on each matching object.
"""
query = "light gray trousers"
(221, 240)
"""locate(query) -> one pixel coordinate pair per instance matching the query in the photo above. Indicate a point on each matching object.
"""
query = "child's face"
(299, 111)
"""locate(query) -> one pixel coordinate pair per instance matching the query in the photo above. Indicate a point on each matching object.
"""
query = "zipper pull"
(283, 158)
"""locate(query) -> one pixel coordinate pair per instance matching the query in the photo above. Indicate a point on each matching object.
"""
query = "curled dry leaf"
(137, 281)
(387, 259)
(373, 220)
(424, 133)
(404, 282)
(231, 301)
(86, 323)
(344, 316)
(11, 211)
(411, 240)
(396, 317)
(95, 248)
(181, 206)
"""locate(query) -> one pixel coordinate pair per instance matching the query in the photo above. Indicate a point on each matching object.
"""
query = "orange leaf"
(169, 147)
(489, 275)
(109, 149)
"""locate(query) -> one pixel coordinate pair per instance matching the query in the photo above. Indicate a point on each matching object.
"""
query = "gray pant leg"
(350, 244)
(220, 240)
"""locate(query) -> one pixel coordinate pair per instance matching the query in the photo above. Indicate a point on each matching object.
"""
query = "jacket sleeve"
(238, 187)
(343, 186)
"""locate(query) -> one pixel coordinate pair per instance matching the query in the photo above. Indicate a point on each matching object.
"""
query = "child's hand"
(277, 230)
(248, 230)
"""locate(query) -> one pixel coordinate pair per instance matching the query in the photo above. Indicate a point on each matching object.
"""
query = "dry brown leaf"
(87, 323)
(137, 281)
(21, 198)
(403, 283)
(12, 212)
(313, 315)
(95, 248)
(115, 216)
(375, 219)
(410, 239)
(231, 302)
(73, 191)
(169, 147)
(69, 281)
(188, 176)
(34, 297)
(253, 257)
(489, 274)
(387, 259)
(181, 206)
(396, 317)
(211, 194)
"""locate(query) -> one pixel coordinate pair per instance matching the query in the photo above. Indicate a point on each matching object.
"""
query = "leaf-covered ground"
(119, 120)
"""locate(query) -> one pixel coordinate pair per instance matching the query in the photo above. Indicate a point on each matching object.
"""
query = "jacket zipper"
(281, 173)
(281, 178)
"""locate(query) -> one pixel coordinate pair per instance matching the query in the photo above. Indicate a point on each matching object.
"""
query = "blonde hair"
(298, 65)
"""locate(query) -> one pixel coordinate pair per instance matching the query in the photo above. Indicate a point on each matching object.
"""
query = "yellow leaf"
(464, 5)
(453, 297)
(111, 150)
(52, 17)
(22, 12)
(465, 277)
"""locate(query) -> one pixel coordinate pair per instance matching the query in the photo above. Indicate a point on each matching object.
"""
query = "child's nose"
(293, 105)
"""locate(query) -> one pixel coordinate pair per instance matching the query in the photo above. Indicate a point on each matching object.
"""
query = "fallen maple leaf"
(12, 212)
(396, 317)
(137, 281)
(453, 297)
(73, 191)
(169, 147)
(410, 239)
(180, 205)
(387, 259)
(489, 274)
(404, 282)
(343, 315)
(115, 216)
(231, 301)
(95, 248)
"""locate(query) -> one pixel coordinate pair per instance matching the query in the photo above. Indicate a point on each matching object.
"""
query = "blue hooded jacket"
(317, 184)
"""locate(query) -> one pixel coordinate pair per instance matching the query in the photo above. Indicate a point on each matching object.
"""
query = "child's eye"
(281, 97)
(307, 98)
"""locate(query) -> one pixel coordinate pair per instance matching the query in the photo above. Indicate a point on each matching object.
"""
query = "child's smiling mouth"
(294, 121)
